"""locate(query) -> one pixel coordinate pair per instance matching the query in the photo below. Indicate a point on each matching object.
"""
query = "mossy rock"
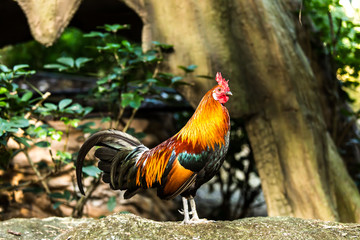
(128, 226)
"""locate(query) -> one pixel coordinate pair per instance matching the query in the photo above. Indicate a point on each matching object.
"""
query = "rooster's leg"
(195, 217)
(186, 211)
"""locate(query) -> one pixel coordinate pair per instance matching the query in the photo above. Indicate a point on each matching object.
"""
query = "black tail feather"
(114, 141)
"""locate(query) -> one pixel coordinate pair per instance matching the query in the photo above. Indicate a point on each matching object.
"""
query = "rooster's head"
(221, 92)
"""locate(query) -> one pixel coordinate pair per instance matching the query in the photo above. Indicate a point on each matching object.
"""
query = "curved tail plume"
(113, 142)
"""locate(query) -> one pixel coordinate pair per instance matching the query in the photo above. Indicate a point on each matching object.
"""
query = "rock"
(129, 226)
(36, 228)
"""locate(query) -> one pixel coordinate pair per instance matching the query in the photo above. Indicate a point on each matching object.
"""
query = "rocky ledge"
(128, 226)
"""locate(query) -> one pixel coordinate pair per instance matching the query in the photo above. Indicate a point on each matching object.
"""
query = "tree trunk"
(254, 43)
(48, 18)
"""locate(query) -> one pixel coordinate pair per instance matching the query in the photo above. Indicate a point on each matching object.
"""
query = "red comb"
(222, 82)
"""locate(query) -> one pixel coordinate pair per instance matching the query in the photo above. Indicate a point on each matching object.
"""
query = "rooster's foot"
(199, 221)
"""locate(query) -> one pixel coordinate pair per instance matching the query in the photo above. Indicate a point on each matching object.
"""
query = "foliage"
(340, 35)
(15, 102)
(339, 32)
(132, 75)
(22, 110)
(68, 64)
(70, 44)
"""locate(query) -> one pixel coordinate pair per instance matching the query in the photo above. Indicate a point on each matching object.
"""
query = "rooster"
(178, 166)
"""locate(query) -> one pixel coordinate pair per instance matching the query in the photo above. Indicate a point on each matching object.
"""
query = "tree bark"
(254, 43)
(48, 18)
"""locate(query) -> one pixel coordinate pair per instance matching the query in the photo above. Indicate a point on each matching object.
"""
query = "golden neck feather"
(208, 125)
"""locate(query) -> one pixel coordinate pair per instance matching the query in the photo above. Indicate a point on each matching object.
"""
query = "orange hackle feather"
(206, 128)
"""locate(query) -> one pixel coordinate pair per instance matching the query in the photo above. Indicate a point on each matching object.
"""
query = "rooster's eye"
(219, 89)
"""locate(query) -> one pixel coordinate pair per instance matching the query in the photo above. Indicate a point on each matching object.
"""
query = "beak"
(228, 93)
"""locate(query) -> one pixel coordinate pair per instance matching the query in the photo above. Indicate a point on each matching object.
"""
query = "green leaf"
(67, 195)
(4, 68)
(162, 45)
(79, 62)
(74, 123)
(111, 204)
(102, 81)
(50, 106)
(26, 97)
(56, 195)
(3, 90)
(151, 80)
(68, 61)
(149, 58)
(19, 122)
(176, 79)
(86, 125)
(59, 67)
(23, 141)
(56, 135)
(20, 66)
(76, 107)
(64, 103)
(87, 110)
(112, 46)
(189, 68)
(131, 99)
(43, 144)
(63, 155)
(115, 27)
(91, 171)
(56, 205)
(96, 34)
(105, 119)
(126, 44)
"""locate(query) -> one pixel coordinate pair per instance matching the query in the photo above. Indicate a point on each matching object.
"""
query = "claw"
(200, 221)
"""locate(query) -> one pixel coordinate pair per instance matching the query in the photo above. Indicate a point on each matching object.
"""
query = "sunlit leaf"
(189, 68)
(26, 97)
(115, 27)
(4, 68)
(68, 61)
(59, 67)
(50, 106)
(96, 34)
(111, 204)
(20, 66)
(79, 62)
(19, 122)
(162, 45)
(3, 90)
(64, 103)
(176, 79)
(91, 171)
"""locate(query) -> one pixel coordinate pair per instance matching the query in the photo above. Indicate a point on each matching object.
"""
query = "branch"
(78, 210)
(38, 174)
(130, 119)
(44, 97)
